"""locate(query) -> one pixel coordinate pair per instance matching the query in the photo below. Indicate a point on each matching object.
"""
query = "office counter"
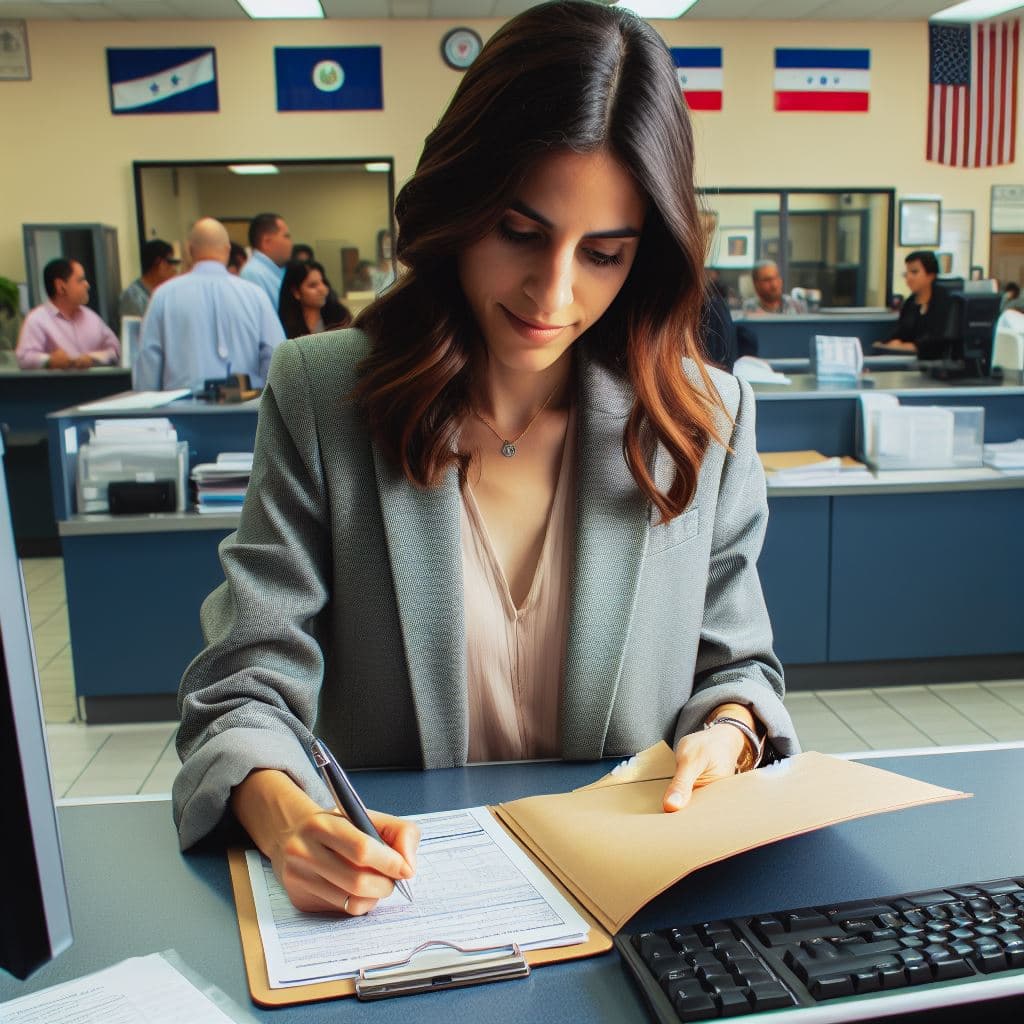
(781, 337)
(135, 583)
(890, 570)
(26, 397)
(133, 893)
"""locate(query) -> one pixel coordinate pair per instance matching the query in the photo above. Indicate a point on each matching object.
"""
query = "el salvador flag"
(328, 78)
(699, 70)
(163, 81)
(822, 80)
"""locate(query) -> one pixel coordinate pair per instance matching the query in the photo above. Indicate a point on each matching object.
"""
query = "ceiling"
(454, 10)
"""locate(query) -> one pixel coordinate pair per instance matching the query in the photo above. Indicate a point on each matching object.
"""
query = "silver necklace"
(508, 447)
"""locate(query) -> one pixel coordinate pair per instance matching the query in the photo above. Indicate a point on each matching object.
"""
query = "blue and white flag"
(163, 81)
(328, 78)
(823, 80)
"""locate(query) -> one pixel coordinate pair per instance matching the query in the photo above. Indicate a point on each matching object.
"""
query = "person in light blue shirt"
(271, 244)
(206, 324)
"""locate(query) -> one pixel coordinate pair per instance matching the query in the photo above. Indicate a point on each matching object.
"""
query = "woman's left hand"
(704, 757)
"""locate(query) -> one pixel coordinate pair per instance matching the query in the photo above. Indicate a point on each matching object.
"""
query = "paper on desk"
(145, 988)
(136, 400)
(473, 887)
(615, 849)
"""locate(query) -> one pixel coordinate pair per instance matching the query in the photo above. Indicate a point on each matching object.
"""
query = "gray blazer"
(342, 606)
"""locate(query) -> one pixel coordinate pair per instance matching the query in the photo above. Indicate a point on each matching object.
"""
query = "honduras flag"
(328, 78)
(163, 81)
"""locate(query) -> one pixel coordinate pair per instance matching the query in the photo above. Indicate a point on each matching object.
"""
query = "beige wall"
(73, 158)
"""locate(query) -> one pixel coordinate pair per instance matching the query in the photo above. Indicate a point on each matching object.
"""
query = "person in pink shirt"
(64, 333)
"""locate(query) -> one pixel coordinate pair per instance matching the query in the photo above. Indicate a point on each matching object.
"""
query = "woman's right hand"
(321, 859)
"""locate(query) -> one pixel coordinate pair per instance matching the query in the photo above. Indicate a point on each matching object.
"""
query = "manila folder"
(615, 849)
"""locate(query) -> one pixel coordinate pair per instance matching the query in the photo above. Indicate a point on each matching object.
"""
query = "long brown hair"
(574, 76)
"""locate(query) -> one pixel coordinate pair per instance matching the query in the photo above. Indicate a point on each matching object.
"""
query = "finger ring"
(344, 906)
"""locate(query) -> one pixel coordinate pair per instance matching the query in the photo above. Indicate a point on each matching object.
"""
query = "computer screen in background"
(35, 922)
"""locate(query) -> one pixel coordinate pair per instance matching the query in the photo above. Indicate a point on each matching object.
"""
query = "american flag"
(972, 102)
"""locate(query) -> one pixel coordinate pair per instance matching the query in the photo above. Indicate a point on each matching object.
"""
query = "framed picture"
(977, 273)
(735, 247)
(945, 262)
(919, 222)
(14, 63)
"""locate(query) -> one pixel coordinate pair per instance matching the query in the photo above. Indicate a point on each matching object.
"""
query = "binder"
(606, 887)
(415, 974)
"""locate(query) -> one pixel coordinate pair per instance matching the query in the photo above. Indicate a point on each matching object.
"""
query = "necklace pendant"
(508, 449)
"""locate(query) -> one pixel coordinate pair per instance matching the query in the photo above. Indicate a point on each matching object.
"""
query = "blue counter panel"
(790, 338)
(794, 569)
(133, 607)
(926, 576)
(826, 425)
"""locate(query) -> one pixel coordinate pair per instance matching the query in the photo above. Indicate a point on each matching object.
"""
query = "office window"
(835, 242)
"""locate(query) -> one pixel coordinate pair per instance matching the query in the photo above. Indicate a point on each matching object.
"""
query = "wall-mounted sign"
(14, 64)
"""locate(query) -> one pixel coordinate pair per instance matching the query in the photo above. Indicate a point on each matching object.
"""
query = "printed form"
(473, 886)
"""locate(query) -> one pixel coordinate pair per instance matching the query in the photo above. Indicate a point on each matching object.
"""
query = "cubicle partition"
(908, 566)
(135, 583)
(904, 566)
(26, 398)
(790, 337)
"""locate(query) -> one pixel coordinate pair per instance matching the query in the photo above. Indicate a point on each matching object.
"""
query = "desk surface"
(805, 385)
(132, 892)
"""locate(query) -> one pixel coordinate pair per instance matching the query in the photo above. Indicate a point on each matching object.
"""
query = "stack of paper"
(757, 371)
(806, 468)
(136, 400)
(133, 431)
(1006, 456)
(221, 485)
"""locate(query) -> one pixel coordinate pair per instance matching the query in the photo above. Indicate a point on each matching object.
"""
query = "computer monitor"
(35, 921)
(965, 347)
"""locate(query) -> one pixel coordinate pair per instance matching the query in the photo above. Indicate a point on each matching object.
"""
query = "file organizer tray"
(917, 444)
(101, 464)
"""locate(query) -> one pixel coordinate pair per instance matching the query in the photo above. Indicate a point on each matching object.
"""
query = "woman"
(307, 304)
(504, 519)
(923, 327)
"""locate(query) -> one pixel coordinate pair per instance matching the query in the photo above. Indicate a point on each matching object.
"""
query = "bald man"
(206, 324)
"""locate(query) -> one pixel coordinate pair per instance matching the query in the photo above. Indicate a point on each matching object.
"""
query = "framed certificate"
(920, 220)
(14, 63)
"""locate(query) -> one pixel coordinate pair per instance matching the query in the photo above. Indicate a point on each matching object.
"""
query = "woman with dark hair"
(514, 515)
(923, 327)
(308, 304)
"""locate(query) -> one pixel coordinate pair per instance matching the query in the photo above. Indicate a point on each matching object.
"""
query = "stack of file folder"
(1008, 456)
(221, 485)
(806, 468)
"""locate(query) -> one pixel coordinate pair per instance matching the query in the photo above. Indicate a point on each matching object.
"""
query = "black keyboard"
(848, 961)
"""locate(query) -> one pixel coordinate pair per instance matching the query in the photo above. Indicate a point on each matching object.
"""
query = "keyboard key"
(732, 1003)
(926, 899)
(943, 970)
(770, 997)
(801, 921)
(695, 1006)
(653, 946)
(831, 986)
(1001, 887)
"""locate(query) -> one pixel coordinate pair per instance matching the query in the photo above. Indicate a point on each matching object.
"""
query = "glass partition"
(833, 244)
(342, 208)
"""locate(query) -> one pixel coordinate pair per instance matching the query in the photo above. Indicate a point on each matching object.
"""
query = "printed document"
(473, 886)
(145, 988)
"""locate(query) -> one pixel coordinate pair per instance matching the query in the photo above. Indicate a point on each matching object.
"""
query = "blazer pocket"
(682, 529)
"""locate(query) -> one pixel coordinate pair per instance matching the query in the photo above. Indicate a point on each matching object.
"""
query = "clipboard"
(417, 973)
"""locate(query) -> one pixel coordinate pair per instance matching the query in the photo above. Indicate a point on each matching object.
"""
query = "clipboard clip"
(440, 965)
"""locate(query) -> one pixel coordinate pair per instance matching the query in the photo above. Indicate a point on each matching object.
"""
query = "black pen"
(347, 800)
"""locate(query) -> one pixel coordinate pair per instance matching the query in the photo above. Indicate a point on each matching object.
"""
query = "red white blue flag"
(831, 80)
(972, 98)
(699, 69)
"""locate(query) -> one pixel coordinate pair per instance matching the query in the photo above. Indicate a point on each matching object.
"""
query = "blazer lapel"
(611, 534)
(422, 529)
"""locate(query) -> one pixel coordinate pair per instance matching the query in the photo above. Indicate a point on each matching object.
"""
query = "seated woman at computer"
(924, 315)
(514, 515)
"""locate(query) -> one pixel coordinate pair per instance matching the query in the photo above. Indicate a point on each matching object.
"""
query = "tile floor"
(97, 761)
